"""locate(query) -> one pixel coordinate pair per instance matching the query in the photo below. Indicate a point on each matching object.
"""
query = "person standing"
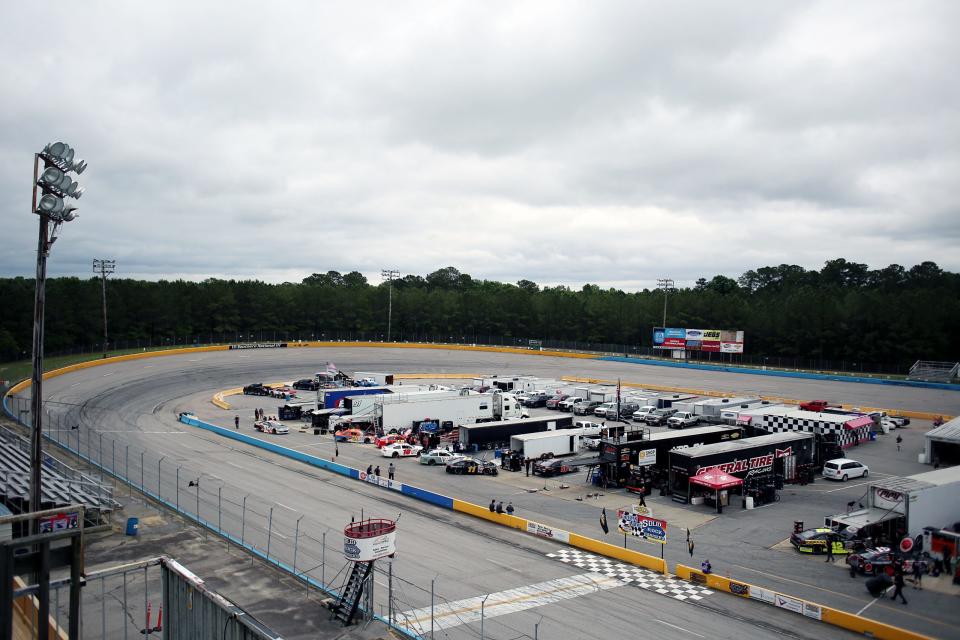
(899, 441)
(898, 581)
(390, 471)
(236, 422)
(376, 471)
(829, 548)
(528, 462)
(369, 469)
(918, 568)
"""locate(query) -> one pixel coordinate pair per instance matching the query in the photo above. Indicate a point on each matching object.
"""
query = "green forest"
(845, 312)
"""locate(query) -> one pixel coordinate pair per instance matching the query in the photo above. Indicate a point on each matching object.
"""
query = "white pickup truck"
(682, 419)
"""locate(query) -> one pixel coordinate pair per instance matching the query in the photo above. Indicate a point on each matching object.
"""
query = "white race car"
(438, 456)
(400, 450)
(271, 426)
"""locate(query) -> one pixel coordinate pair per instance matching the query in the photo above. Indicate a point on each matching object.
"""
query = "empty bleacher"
(933, 371)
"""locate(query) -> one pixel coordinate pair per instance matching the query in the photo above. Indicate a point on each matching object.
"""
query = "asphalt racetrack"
(526, 584)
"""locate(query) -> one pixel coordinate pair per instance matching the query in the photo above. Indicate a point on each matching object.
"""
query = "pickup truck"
(682, 419)
(585, 407)
(569, 404)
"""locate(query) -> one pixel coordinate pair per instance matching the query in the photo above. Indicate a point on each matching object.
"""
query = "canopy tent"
(856, 423)
(716, 480)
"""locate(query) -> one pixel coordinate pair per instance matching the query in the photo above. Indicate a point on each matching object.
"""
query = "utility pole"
(104, 268)
(390, 275)
(666, 284)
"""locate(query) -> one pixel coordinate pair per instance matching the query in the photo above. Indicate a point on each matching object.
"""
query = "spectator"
(390, 471)
(369, 469)
(500, 507)
(376, 471)
(493, 505)
(706, 567)
(236, 422)
(509, 508)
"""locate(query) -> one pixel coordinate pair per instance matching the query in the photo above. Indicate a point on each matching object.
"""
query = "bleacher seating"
(932, 371)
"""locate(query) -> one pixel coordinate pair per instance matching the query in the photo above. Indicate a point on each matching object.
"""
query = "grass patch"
(14, 372)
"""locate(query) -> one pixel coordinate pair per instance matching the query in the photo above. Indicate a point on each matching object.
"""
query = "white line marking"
(147, 366)
(848, 486)
(74, 384)
(867, 606)
(467, 611)
(280, 504)
(678, 628)
(108, 374)
(505, 566)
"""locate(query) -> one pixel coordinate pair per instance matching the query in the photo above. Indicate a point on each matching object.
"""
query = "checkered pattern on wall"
(845, 437)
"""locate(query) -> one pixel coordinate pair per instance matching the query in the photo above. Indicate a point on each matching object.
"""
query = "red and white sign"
(674, 343)
(888, 499)
(709, 346)
(731, 347)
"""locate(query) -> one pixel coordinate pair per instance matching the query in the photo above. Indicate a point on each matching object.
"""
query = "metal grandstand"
(62, 485)
(931, 371)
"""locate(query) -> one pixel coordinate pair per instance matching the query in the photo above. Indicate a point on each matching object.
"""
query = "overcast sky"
(560, 142)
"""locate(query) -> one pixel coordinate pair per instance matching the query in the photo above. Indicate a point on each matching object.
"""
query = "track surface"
(138, 401)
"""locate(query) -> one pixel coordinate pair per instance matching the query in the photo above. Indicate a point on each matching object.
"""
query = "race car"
(256, 389)
(472, 467)
(353, 435)
(271, 426)
(438, 456)
(816, 540)
(401, 450)
(878, 561)
(306, 384)
(389, 439)
(552, 467)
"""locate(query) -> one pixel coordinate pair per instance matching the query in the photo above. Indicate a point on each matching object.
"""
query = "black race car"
(306, 384)
(472, 467)
(816, 541)
(878, 561)
(553, 467)
(256, 389)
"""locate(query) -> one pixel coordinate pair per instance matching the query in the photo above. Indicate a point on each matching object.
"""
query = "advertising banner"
(693, 344)
(366, 549)
(646, 457)
(731, 347)
(694, 334)
(675, 333)
(658, 336)
(650, 529)
(259, 345)
(728, 336)
(788, 603)
(711, 335)
(710, 346)
(739, 336)
(674, 343)
(888, 499)
(550, 533)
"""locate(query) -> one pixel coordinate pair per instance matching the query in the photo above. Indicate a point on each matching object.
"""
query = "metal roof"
(939, 477)
(739, 445)
(947, 432)
(902, 485)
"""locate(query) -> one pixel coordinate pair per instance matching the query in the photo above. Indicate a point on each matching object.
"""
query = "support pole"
(36, 385)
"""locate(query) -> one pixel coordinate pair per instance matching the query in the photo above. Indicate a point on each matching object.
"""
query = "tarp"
(716, 480)
(856, 423)
(863, 518)
(744, 419)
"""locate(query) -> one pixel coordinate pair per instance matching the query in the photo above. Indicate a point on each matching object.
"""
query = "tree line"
(844, 311)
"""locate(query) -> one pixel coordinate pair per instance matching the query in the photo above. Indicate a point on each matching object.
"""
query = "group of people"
(258, 415)
(497, 507)
(391, 470)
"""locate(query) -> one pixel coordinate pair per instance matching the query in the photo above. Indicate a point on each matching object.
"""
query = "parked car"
(659, 417)
(554, 401)
(591, 442)
(390, 438)
(354, 435)
(626, 411)
(553, 467)
(536, 400)
(401, 450)
(570, 403)
(682, 419)
(844, 468)
(256, 389)
(472, 467)
(271, 426)
(438, 456)
(641, 414)
(306, 384)
(900, 421)
(601, 410)
(816, 541)
(879, 561)
(585, 407)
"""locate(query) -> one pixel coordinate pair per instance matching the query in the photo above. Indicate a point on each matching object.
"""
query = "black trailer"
(641, 459)
(763, 463)
(320, 418)
(487, 434)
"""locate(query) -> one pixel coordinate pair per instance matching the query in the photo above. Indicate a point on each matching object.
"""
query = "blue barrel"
(133, 526)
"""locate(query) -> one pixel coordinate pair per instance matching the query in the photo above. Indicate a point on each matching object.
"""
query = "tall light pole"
(666, 284)
(104, 268)
(56, 185)
(390, 275)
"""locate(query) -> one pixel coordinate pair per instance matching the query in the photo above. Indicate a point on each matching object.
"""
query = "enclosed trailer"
(402, 412)
(560, 442)
(380, 379)
(500, 432)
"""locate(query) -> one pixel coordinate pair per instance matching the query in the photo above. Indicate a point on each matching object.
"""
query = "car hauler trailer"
(401, 412)
(379, 379)
(500, 432)
(360, 405)
(762, 463)
(559, 442)
(333, 398)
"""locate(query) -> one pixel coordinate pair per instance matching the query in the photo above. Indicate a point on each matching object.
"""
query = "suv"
(536, 400)
(626, 411)
(554, 402)
(682, 419)
(569, 404)
(306, 384)
(585, 407)
(659, 417)
(843, 469)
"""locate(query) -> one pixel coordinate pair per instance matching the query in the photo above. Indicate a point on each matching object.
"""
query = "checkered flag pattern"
(638, 576)
(845, 437)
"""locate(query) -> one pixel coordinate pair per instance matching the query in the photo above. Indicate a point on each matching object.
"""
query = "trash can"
(133, 526)
(749, 503)
(873, 435)
(316, 431)
(798, 526)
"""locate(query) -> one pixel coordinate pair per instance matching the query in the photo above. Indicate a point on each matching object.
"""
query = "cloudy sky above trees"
(560, 142)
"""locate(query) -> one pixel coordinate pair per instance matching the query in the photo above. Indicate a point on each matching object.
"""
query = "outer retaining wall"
(784, 374)
(836, 617)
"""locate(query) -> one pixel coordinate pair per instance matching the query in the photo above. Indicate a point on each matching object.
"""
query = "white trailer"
(712, 407)
(363, 405)
(381, 379)
(562, 442)
(401, 412)
(581, 392)
(603, 394)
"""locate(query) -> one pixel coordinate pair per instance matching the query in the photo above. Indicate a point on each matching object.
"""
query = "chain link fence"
(296, 543)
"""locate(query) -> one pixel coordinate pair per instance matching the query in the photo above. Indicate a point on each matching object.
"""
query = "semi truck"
(500, 432)
(402, 412)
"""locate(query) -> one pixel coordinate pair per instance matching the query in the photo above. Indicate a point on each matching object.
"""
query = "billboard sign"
(674, 343)
(731, 347)
(694, 334)
(658, 336)
(711, 335)
(675, 333)
(715, 340)
(367, 549)
(646, 457)
(650, 529)
(710, 346)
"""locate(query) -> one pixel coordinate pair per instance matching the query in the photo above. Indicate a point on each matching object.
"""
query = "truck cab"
(682, 419)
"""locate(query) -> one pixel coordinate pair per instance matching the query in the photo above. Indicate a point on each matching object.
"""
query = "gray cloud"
(610, 142)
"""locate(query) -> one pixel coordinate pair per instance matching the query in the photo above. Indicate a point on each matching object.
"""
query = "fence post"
(159, 462)
(178, 489)
(296, 544)
(141, 472)
(126, 465)
(100, 456)
(269, 532)
(243, 521)
(431, 606)
(219, 510)
(113, 456)
(323, 560)
(390, 593)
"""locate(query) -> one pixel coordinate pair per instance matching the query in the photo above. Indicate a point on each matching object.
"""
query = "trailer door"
(789, 467)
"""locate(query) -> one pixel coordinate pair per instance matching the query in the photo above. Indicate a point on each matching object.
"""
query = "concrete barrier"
(829, 615)
(612, 551)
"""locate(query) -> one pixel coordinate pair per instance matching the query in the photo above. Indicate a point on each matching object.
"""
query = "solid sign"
(710, 346)
(367, 549)
(58, 522)
(675, 333)
(650, 529)
(906, 545)
(550, 533)
(731, 347)
(674, 343)
(646, 457)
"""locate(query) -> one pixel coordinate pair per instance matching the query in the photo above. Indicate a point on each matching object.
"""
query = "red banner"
(674, 343)
(709, 346)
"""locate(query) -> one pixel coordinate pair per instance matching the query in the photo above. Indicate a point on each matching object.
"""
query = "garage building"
(943, 444)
